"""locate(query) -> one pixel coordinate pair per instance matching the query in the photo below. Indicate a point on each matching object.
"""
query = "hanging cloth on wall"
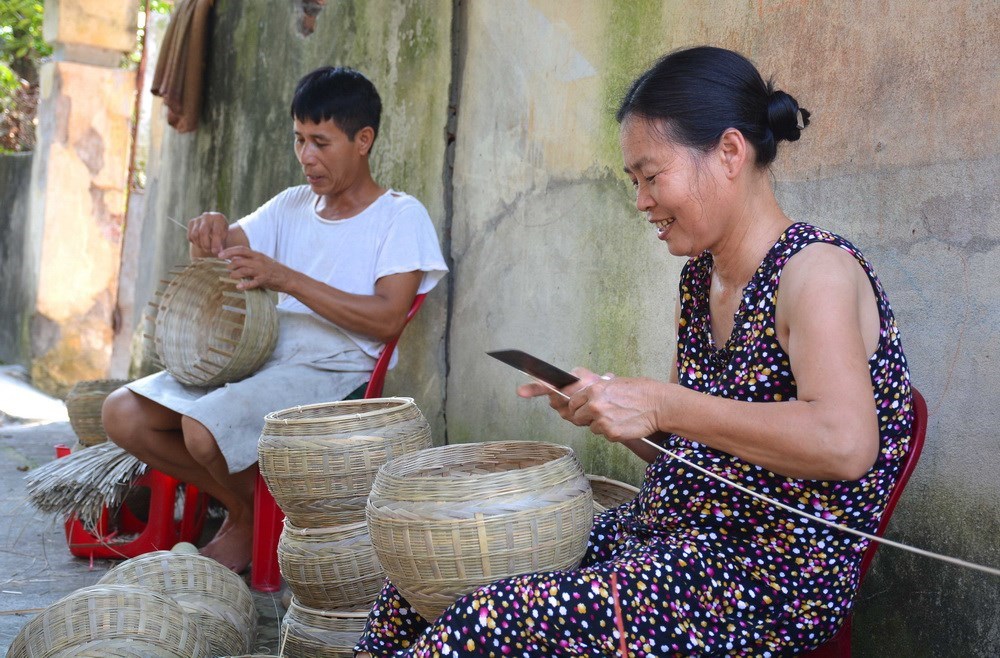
(180, 69)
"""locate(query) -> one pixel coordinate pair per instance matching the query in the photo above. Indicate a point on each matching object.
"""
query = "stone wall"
(551, 256)
(18, 258)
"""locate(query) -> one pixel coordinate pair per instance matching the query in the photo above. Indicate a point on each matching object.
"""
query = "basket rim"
(330, 614)
(273, 416)
(311, 531)
(391, 469)
(606, 480)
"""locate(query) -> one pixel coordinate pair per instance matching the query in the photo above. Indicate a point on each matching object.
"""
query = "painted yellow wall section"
(79, 189)
(107, 24)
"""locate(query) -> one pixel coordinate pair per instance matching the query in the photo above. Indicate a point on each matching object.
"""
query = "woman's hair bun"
(696, 94)
(784, 116)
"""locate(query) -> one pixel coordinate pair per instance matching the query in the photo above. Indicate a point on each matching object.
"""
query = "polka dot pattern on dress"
(700, 569)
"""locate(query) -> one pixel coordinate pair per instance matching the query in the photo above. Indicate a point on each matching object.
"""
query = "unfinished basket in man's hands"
(610, 493)
(207, 332)
(216, 598)
(112, 618)
(330, 568)
(311, 633)
(448, 520)
(319, 460)
(83, 406)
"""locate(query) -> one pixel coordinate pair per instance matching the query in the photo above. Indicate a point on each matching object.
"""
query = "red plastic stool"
(159, 532)
(265, 576)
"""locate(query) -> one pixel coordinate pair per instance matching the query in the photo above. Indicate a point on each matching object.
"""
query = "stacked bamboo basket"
(215, 598)
(448, 520)
(164, 604)
(319, 462)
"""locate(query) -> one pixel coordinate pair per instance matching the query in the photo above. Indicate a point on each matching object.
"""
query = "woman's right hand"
(207, 234)
(556, 401)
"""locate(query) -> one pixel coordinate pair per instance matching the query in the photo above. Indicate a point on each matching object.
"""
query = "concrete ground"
(36, 567)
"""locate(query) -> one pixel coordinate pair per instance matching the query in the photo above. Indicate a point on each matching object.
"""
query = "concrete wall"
(18, 258)
(551, 256)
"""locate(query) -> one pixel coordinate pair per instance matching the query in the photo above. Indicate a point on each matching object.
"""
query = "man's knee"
(128, 418)
(199, 441)
(120, 416)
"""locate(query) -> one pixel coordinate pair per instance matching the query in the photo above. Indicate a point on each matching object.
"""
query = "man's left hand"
(255, 270)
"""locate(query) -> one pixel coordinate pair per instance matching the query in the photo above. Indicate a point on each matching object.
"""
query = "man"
(346, 257)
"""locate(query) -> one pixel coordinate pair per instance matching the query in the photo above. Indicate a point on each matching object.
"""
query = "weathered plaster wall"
(78, 199)
(551, 255)
(242, 153)
(18, 258)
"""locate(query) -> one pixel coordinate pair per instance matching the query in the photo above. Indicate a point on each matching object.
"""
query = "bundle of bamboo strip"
(84, 483)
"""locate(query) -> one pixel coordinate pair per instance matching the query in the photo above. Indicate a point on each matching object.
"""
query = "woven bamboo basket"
(310, 633)
(117, 648)
(207, 332)
(213, 596)
(330, 568)
(448, 520)
(114, 619)
(319, 461)
(610, 493)
(83, 405)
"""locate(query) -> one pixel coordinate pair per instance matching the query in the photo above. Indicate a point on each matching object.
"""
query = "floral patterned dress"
(693, 567)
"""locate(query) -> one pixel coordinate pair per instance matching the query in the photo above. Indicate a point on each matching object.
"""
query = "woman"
(799, 391)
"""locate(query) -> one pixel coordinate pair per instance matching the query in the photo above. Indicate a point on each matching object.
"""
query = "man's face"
(330, 160)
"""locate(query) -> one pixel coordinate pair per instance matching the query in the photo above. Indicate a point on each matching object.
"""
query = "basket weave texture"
(330, 568)
(216, 598)
(115, 620)
(320, 460)
(83, 405)
(448, 520)
(307, 632)
(207, 332)
(610, 493)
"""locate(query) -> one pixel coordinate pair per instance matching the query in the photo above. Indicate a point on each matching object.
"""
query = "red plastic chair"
(265, 576)
(160, 531)
(839, 646)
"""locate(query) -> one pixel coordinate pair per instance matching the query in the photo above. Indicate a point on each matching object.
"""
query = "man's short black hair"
(340, 94)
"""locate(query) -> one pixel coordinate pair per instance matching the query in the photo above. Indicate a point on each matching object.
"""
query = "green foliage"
(21, 42)
(155, 7)
(21, 47)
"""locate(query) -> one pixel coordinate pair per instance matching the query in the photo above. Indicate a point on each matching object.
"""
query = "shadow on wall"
(18, 258)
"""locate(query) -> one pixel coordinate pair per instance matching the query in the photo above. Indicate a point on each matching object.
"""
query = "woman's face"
(673, 187)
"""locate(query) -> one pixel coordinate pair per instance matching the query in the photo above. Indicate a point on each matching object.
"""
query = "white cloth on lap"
(302, 370)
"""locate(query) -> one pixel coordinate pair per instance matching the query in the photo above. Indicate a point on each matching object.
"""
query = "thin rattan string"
(843, 528)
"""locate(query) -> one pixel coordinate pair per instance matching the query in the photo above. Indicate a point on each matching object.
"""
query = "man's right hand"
(207, 234)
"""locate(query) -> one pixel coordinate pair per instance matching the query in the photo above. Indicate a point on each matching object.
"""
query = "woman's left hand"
(255, 270)
(621, 409)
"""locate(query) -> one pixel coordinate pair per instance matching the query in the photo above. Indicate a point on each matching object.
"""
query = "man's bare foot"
(232, 545)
